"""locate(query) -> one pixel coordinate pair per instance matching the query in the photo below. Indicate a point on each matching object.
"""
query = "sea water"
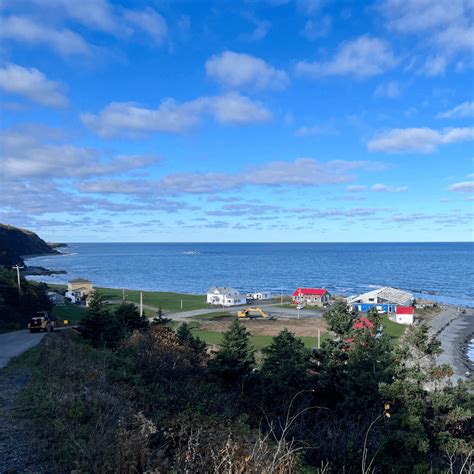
(442, 272)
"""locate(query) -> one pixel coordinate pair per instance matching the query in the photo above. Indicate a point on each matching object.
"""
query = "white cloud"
(317, 130)
(356, 188)
(314, 29)
(390, 89)
(421, 140)
(301, 172)
(445, 28)
(148, 21)
(26, 30)
(388, 189)
(262, 27)
(362, 57)
(24, 155)
(237, 70)
(171, 117)
(33, 84)
(464, 187)
(466, 109)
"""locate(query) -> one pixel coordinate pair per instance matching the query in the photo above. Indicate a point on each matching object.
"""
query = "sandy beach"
(454, 329)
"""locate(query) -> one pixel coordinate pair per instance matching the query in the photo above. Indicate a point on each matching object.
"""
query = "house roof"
(310, 291)
(404, 310)
(390, 295)
(79, 280)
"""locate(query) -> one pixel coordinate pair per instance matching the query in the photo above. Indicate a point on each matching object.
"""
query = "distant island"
(17, 243)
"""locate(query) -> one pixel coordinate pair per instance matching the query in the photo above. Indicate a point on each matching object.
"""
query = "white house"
(259, 295)
(225, 296)
(404, 315)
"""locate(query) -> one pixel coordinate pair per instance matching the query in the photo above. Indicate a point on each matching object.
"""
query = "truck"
(42, 322)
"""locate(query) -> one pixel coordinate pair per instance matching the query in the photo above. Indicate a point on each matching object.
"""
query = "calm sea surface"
(440, 271)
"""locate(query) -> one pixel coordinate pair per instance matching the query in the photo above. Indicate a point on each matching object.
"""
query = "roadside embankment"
(454, 329)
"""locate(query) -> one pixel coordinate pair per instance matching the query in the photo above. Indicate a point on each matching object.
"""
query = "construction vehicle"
(253, 313)
(42, 322)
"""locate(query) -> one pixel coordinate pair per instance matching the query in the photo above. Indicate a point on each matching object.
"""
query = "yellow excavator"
(253, 313)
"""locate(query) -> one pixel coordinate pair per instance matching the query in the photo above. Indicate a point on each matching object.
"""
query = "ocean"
(439, 271)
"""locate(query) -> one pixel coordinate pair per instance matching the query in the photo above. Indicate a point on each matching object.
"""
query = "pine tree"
(340, 319)
(286, 363)
(185, 335)
(100, 325)
(236, 357)
(128, 316)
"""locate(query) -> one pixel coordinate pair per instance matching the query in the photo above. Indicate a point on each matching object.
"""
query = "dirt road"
(15, 343)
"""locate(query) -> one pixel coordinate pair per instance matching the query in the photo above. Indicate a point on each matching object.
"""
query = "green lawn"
(259, 342)
(169, 302)
(394, 330)
(72, 312)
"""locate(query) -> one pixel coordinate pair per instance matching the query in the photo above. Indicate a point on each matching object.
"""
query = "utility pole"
(181, 304)
(281, 298)
(319, 338)
(141, 303)
(298, 309)
(123, 295)
(18, 276)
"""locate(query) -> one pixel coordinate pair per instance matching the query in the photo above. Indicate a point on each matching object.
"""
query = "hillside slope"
(15, 243)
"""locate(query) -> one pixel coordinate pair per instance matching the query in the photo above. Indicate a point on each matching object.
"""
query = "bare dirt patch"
(261, 327)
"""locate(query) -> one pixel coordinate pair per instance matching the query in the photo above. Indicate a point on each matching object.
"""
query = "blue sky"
(305, 120)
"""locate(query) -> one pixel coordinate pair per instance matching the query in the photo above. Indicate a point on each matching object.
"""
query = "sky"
(251, 121)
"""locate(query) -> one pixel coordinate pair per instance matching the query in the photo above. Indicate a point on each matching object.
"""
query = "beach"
(454, 329)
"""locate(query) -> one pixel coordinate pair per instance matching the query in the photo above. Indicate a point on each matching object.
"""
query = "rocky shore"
(455, 328)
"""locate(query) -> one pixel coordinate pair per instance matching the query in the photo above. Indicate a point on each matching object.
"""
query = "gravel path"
(17, 453)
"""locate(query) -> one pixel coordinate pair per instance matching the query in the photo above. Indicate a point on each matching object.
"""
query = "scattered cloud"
(464, 187)
(260, 31)
(363, 57)
(301, 172)
(236, 70)
(356, 188)
(445, 29)
(27, 30)
(149, 22)
(466, 109)
(421, 140)
(24, 155)
(390, 90)
(317, 130)
(131, 119)
(388, 189)
(317, 28)
(32, 84)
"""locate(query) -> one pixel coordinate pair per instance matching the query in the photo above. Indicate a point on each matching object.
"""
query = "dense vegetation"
(126, 396)
(15, 242)
(16, 308)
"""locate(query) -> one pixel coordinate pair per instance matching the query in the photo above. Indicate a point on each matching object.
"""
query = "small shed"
(405, 315)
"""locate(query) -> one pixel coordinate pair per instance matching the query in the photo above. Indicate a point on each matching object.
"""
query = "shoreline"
(455, 331)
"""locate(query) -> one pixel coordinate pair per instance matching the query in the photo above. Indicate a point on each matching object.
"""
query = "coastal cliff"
(16, 243)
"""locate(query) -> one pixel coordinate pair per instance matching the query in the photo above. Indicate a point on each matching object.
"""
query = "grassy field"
(259, 342)
(72, 312)
(170, 302)
(394, 330)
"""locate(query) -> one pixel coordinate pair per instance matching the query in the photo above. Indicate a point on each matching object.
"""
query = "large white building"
(225, 296)
(384, 299)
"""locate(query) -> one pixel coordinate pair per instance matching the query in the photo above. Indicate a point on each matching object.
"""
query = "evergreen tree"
(236, 356)
(128, 316)
(185, 335)
(100, 325)
(340, 319)
(286, 364)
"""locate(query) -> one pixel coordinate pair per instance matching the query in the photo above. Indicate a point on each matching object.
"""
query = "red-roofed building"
(311, 296)
(404, 315)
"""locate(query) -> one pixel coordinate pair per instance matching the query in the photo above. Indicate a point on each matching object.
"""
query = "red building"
(311, 296)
